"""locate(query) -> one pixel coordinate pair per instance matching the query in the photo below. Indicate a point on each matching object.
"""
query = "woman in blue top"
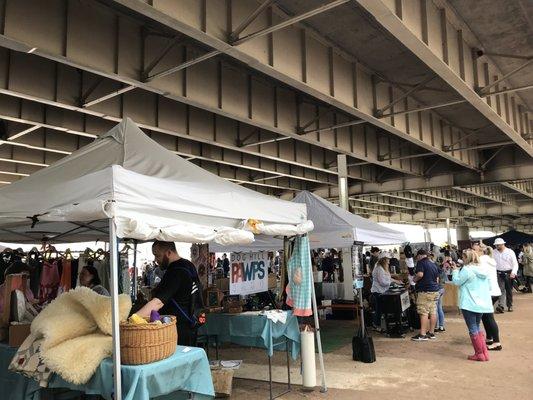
(474, 300)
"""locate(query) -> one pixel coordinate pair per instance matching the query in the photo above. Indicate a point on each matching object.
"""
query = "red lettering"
(236, 272)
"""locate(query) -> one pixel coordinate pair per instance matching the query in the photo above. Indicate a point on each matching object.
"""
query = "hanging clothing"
(49, 282)
(299, 270)
(74, 273)
(125, 279)
(103, 267)
(36, 265)
(65, 283)
(83, 261)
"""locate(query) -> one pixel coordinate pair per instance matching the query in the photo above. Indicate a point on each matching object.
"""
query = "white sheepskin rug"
(76, 328)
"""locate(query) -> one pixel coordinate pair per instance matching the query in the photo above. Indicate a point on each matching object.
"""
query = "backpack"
(195, 314)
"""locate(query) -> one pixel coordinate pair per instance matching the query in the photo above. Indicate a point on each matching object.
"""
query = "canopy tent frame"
(115, 182)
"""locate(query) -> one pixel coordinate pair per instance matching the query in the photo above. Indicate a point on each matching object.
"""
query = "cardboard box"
(222, 382)
(18, 334)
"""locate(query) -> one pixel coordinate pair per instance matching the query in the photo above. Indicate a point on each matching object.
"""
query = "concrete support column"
(448, 232)
(343, 181)
(347, 283)
(463, 236)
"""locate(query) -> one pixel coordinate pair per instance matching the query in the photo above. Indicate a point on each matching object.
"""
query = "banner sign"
(249, 273)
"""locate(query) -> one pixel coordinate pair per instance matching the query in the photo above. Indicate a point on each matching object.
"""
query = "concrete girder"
(485, 193)
(70, 121)
(445, 181)
(524, 188)
(421, 198)
(226, 90)
(336, 87)
(488, 211)
(218, 156)
(447, 195)
(410, 34)
(155, 107)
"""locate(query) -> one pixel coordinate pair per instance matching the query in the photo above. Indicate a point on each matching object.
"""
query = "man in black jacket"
(174, 295)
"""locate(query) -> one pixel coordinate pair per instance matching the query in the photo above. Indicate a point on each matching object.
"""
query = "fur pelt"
(76, 328)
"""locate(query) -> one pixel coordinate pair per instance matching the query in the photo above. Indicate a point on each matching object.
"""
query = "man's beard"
(164, 263)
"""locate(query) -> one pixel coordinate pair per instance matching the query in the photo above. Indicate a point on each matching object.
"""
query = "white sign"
(248, 273)
(406, 303)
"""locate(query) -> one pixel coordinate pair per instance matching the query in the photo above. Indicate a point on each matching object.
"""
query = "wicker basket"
(144, 344)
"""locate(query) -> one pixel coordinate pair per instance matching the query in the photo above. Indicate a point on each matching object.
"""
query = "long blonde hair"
(487, 250)
(384, 263)
(471, 257)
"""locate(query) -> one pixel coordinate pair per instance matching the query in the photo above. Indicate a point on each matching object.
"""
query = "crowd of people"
(485, 280)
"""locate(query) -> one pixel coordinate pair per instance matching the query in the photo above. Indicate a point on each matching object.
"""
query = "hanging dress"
(299, 272)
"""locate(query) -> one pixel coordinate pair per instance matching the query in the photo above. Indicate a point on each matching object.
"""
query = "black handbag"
(363, 347)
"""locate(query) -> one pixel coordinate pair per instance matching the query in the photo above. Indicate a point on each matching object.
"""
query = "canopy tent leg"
(135, 283)
(324, 388)
(113, 257)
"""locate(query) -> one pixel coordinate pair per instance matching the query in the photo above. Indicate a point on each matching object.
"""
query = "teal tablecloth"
(250, 329)
(182, 372)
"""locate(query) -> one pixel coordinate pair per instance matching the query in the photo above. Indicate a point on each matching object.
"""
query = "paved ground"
(407, 370)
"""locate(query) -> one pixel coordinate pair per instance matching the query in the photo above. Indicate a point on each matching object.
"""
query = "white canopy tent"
(333, 227)
(150, 192)
(126, 185)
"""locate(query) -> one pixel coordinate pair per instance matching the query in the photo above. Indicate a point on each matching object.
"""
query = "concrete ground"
(406, 370)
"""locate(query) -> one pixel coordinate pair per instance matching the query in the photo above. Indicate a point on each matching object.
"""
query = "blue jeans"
(473, 320)
(440, 311)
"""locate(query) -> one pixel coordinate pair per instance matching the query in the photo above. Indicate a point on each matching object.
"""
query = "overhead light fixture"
(5, 182)
(32, 50)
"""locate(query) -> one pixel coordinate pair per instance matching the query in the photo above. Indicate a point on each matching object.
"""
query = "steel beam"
(109, 96)
(290, 21)
(249, 19)
(158, 127)
(380, 111)
(424, 108)
(337, 126)
(32, 147)
(24, 132)
(14, 161)
(484, 89)
(493, 155)
(163, 15)
(523, 188)
(183, 66)
(479, 192)
(439, 64)
(13, 173)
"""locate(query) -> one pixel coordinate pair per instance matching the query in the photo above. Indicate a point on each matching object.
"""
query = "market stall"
(334, 227)
(125, 185)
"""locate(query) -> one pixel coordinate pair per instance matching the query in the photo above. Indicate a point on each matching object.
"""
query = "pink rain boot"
(478, 355)
(483, 345)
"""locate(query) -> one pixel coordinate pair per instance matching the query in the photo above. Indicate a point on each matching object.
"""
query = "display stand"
(324, 387)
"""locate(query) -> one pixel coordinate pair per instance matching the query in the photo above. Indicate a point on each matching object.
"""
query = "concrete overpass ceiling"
(273, 112)
(503, 27)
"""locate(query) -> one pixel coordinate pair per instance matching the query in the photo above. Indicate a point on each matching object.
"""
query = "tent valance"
(333, 227)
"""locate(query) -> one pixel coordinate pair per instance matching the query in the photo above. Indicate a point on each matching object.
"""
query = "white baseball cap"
(499, 241)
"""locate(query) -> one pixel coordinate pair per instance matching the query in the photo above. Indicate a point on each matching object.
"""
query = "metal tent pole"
(113, 257)
(324, 388)
(135, 283)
